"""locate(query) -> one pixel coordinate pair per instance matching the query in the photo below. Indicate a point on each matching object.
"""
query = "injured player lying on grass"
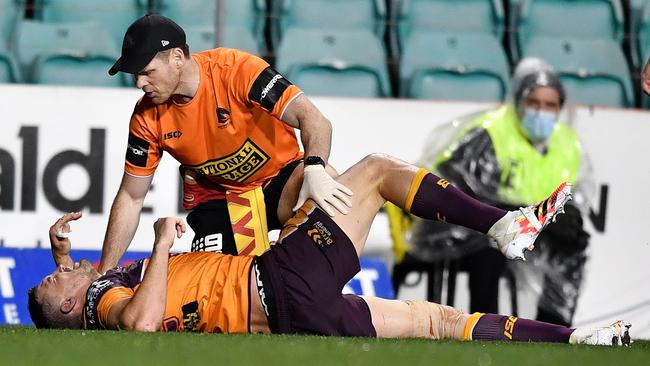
(295, 287)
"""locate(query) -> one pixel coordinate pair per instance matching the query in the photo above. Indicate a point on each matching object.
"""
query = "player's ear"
(68, 304)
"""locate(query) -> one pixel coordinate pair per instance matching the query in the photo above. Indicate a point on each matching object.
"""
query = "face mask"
(538, 125)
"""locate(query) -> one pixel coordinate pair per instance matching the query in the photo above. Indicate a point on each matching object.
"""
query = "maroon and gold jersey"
(206, 292)
(230, 132)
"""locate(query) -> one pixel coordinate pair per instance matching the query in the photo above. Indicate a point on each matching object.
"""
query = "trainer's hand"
(322, 188)
(166, 228)
(645, 78)
(59, 241)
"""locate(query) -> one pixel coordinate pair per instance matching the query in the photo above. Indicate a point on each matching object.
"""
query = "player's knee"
(436, 321)
(331, 171)
(378, 164)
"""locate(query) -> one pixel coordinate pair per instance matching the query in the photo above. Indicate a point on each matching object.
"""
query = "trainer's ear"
(178, 56)
(68, 304)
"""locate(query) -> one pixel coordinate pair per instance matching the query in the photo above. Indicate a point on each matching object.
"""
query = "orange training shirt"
(230, 132)
(206, 292)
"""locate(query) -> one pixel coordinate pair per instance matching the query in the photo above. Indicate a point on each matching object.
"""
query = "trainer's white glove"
(319, 186)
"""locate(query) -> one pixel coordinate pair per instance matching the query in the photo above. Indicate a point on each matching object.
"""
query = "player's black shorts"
(210, 220)
(307, 271)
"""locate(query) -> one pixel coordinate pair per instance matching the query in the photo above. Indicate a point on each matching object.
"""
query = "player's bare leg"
(378, 178)
(416, 319)
(422, 319)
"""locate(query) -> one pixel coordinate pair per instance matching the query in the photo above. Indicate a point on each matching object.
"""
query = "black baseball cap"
(144, 39)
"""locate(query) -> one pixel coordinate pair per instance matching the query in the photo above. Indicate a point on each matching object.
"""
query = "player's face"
(65, 281)
(158, 80)
(544, 98)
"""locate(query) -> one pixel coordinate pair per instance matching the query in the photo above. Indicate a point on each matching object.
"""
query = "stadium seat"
(36, 41)
(11, 9)
(483, 16)
(202, 38)
(80, 71)
(643, 34)
(235, 23)
(8, 69)
(114, 15)
(367, 15)
(447, 66)
(593, 71)
(329, 62)
(640, 39)
(568, 18)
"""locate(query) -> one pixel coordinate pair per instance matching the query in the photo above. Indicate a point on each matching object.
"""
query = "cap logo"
(164, 43)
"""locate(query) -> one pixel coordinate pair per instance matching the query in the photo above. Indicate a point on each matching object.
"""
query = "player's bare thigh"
(364, 179)
(258, 320)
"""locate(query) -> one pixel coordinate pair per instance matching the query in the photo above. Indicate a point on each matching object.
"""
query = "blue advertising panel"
(372, 280)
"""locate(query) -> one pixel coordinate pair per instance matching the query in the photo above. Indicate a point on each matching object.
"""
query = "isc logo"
(172, 135)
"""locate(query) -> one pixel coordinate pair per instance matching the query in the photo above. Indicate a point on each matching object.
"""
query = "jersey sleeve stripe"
(288, 103)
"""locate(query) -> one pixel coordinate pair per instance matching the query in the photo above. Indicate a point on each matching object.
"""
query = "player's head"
(58, 301)
(539, 97)
(154, 50)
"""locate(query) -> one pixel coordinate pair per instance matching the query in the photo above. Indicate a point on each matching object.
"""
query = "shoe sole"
(568, 196)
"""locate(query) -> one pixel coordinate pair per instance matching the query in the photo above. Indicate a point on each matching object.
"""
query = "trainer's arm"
(145, 310)
(316, 136)
(315, 129)
(124, 218)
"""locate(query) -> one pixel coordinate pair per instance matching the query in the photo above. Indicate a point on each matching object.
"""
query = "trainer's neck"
(188, 84)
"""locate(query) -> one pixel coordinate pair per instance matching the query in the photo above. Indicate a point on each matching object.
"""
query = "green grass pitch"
(28, 346)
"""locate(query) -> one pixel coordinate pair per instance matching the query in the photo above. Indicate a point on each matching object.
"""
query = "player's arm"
(146, 309)
(59, 241)
(124, 218)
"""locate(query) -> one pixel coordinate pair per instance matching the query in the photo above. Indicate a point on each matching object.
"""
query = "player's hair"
(185, 48)
(44, 315)
(36, 310)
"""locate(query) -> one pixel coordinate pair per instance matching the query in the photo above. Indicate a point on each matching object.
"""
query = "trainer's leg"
(421, 319)
(379, 178)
